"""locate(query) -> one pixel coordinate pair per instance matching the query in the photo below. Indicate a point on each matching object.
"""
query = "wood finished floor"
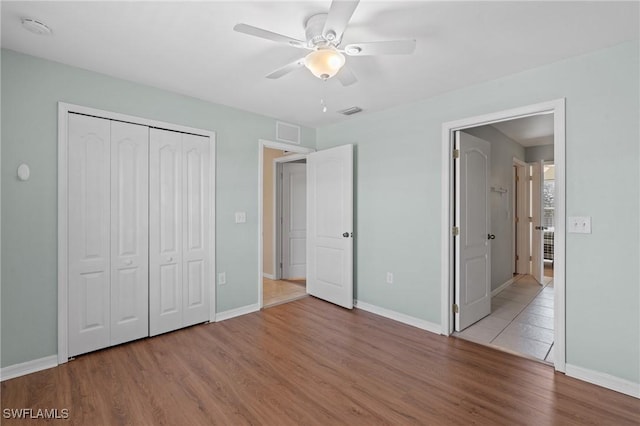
(311, 363)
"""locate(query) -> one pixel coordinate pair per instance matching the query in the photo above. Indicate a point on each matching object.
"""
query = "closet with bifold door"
(179, 248)
(138, 231)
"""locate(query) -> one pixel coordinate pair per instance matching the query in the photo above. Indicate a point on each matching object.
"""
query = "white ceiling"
(191, 48)
(529, 131)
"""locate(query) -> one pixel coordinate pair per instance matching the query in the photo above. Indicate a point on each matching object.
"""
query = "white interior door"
(473, 250)
(196, 251)
(89, 234)
(537, 234)
(165, 231)
(330, 225)
(129, 232)
(294, 220)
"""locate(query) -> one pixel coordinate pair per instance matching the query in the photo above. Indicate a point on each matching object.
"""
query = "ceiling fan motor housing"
(313, 31)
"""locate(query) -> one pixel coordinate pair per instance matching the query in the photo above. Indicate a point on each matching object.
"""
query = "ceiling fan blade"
(346, 76)
(340, 13)
(286, 69)
(398, 47)
(259, 32)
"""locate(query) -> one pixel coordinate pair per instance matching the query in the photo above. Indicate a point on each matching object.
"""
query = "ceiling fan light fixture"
(325, 62)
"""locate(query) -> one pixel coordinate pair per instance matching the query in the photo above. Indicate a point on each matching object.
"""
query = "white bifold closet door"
(179, 248)
(107, 237)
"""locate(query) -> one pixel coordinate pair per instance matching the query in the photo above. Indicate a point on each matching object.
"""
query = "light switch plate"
(579, 224)
(241, 217)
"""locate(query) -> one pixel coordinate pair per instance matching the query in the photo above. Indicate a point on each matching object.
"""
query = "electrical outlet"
(222, 278)
(389, 277)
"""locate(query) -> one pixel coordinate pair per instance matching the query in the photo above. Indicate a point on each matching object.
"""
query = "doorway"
(282, 202)
(499, 194)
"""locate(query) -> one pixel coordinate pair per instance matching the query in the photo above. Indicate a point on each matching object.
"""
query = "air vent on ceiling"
(351, 110)
(35, 27)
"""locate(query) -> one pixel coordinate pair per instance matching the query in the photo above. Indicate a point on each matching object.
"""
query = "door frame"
(277, 209)
(521, 229)
(262, 144)
(63, 111)
(557, 108)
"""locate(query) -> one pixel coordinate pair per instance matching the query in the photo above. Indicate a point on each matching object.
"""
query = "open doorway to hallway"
(283, 275)
(519, 203)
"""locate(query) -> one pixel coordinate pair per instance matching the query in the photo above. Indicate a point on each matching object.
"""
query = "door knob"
(346, 235)
(540, 228)
(491, 237)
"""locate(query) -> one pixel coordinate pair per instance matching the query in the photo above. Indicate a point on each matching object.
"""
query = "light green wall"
(398, 197)
(540, 152)
(31, 88)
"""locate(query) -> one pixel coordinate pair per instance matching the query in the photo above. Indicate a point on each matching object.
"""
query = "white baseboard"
(28, 367)
(397, 316)
(605, 380)
(503, 286)
(242, 310)
(270, 276)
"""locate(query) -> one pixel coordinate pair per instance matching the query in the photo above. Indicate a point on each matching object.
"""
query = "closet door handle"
(491, 237)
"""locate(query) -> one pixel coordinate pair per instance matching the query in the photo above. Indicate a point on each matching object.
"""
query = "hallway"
(521, 320)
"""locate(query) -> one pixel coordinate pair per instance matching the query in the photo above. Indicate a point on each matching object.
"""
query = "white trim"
(557, 108)
(24, 368)
(63, 308)
(271, 277)
(63, 111)
(242, 310)
(605, 380)
(504, 285)
(278, 164)
(520, 230)
(397, 316)
(262, 144)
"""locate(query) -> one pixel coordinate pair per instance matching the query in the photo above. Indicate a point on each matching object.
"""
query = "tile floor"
(521, 320)
(281, 291)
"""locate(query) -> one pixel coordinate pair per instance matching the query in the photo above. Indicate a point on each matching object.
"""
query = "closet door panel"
(88, 233)
(129, 232)
(165, 231)
(196, 224)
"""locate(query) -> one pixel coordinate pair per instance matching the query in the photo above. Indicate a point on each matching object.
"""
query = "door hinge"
(455, 230)
(455, 308)
(530, 257)
(456, 153)
(517, 257)
(517, 178)
(530, 219)
(517, 219)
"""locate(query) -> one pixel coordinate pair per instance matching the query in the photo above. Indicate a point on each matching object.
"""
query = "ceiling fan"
(323, 36)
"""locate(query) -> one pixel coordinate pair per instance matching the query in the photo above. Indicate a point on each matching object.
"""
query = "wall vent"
(286, 132)
(350, 111)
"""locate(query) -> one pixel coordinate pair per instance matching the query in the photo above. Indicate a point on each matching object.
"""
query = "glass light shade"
(324, 63)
